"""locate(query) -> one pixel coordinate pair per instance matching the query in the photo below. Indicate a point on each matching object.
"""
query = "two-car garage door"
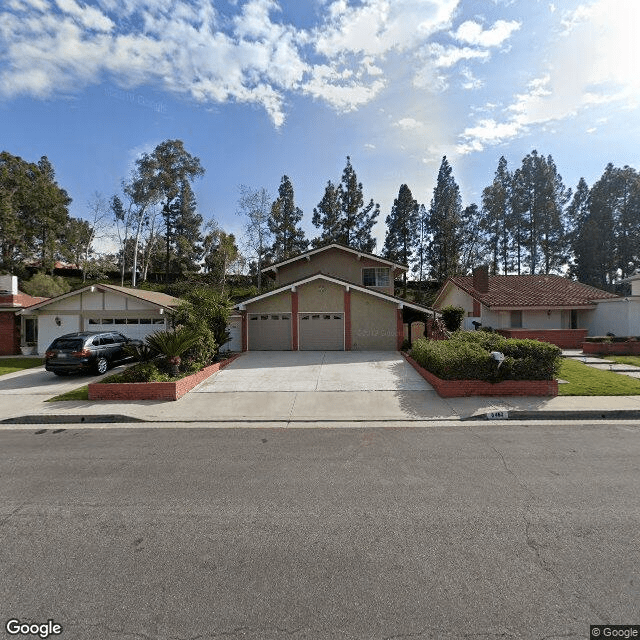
(317, 331)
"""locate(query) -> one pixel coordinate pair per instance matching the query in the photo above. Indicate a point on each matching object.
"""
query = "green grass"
(10, 365)
(82, 393)
(587, 381)
(635, 360)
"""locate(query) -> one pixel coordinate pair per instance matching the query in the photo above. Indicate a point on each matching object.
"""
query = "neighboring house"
(12, 334)
(543, 307)
(102, 307)
(620, 315)
(331, 298)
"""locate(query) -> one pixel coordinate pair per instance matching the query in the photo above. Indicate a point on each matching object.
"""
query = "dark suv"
(88, 351)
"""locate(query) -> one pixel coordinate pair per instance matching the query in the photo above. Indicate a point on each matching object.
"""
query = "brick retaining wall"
(563, 338)
(612, 348)
(463, 388)
(153, 390)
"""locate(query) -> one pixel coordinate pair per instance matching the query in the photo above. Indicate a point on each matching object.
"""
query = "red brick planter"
(463, 388)
(563, 338)
(612, 348)
(153, 390)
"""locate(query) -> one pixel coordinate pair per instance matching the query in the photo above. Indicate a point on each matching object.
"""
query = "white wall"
(621, 317)
(48, 330)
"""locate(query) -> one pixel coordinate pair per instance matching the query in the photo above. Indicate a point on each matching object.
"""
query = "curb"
(506, 415)
(607, 414)
(69, 419)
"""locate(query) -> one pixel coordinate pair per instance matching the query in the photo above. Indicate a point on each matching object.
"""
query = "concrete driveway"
(317, 386)
(279, 371)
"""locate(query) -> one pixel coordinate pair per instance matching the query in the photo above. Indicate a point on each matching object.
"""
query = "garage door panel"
(321, 331)
(269, 331)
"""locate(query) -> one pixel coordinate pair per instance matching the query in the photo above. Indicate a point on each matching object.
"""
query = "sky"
(258, 89)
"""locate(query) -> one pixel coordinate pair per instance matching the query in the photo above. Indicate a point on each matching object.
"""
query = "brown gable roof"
(530, 291)
(334, 245)
(155, 297)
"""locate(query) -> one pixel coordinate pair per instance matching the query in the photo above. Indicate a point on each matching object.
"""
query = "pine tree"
(288, 237)
(357, 220)
(496, 217)
(471, 253)
(627, 220)
(327, 216)
(402, 226)
(538, 201)
(576, 218)
(187, 238)
(343, 216)
(443, 248)
(595, 241)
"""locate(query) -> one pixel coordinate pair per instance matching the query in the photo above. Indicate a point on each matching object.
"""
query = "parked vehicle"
(89, 351)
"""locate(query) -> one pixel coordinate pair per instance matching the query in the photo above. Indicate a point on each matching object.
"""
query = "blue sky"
(261, 88)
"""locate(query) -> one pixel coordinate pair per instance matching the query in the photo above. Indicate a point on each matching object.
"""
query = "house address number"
(498, 415)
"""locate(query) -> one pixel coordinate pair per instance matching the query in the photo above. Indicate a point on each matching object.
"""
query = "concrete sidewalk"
(407, 402)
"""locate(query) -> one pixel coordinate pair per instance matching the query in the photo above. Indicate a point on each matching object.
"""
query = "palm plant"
(171, 345)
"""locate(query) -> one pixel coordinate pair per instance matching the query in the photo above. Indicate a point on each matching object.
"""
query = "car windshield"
(67, 344)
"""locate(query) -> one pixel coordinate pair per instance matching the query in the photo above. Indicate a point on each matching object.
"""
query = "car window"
(120, 338)
(107, 340)
(65, 344)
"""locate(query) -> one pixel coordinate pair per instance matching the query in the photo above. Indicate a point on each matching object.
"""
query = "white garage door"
(269, 331)
(321, 331)
(138, 328)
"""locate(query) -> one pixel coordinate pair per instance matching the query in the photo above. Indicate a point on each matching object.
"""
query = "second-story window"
(375, 277)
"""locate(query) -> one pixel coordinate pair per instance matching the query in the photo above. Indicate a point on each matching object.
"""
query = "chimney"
(481, 279)
(9, 285)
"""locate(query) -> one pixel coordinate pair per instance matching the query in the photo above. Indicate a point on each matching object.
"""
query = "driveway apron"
(320, 385)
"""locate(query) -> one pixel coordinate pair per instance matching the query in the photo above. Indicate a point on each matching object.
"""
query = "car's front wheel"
(101, 366)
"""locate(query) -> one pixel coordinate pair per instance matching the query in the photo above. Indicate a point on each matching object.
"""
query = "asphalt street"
(463, 531)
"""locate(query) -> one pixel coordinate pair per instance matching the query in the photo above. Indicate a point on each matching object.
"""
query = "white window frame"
(379, 274)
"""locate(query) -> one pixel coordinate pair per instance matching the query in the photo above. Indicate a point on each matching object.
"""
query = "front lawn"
(11, 365)
(587, 381)
(81, 393)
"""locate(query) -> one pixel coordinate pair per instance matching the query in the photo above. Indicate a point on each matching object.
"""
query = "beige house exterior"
(133, 312)
(331, 298)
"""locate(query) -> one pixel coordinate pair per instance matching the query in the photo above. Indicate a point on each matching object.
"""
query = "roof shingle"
(532, 291)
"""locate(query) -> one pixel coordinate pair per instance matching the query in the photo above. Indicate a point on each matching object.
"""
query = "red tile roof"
(530, 291)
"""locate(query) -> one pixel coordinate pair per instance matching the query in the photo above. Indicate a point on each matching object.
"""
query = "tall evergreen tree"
(357, 219)
(471, 250)
(402, 227)
(538, 201)
(627, 221)
(327, 216)
(443, 248)
(186, 243)
(344, 217)
(576, 217)
(496, 217)
(288, 236)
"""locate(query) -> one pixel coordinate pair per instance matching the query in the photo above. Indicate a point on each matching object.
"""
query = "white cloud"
(469, 80)
(473, 33)
(594, 62)
(408, 124)
(445, 57)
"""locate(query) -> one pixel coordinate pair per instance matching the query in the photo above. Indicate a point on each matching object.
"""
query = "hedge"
(467, 356)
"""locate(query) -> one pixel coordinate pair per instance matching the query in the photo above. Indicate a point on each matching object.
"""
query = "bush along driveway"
(482, 363)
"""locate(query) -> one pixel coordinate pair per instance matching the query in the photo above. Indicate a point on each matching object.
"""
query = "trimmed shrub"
(452, 317)
(467, 356)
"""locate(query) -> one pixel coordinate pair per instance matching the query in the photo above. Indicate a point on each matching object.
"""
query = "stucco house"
(619, 315)
(544, 307)
(102, 307)
(13, 333)
(329, 298)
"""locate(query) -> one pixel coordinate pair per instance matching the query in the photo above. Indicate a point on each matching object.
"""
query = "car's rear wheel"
(101, 366)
